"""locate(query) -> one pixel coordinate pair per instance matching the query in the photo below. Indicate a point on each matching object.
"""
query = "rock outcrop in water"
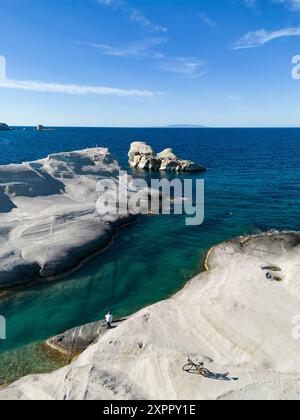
(76, 340)
(235, 318)
(142, 156)
(4, 127)
(48, 217)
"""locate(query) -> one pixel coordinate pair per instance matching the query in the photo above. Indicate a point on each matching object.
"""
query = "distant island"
(40, 128)
(185, 126)
(43, 128)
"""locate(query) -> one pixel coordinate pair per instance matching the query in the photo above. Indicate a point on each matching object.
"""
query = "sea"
(252, 185)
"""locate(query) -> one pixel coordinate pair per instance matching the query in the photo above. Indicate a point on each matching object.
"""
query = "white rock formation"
(48, 217)
(167, 154)
(4, 127)
(142, 156)
(232, 318)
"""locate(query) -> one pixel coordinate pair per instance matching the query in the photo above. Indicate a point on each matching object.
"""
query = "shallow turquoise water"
(252, 185)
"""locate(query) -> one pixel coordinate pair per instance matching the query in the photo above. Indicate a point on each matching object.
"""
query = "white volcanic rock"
(232, 318)
(142, 156)
(140, 148)
(167, 154)
(48, 217)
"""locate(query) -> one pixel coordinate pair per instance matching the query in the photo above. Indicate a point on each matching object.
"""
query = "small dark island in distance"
(4, 127)
(43, 128)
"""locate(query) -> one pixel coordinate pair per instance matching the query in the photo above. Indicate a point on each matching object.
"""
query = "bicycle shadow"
(215, 376)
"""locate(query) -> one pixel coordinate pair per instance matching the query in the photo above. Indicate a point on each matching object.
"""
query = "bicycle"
(197, 369)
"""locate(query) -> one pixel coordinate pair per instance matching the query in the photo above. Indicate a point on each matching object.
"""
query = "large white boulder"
(142, 156)
(167, 154)
(48, 217)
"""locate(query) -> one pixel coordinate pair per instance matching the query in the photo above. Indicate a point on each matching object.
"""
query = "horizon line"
(195, 127)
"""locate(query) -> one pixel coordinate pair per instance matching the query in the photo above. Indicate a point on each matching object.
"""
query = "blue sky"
(143, 63)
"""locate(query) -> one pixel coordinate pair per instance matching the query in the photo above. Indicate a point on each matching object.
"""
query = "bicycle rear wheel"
(203, 372)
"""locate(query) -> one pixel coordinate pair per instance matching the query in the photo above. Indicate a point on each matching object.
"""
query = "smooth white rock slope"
(48, 217)
(232, 318)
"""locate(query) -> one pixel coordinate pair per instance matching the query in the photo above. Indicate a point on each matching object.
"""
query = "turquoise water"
(252, 185)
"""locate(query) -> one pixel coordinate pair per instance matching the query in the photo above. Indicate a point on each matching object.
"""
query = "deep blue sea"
(252, 185)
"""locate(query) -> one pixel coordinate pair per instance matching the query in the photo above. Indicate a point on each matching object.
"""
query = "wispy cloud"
(251, 3)
(188, 67)
(292, 4)
(207, 20)
(261, 37)
(135, 49)
(233, 97)
(70, 89)
(36, 86)
(135, 15)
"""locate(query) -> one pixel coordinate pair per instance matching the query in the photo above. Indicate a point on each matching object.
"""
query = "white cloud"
(251, 3)
(208, 21)
(233, 97)
(134, 49)
(188, 67)
(36, 86)
(261, 37)
(134, 15)
(293, 4)
(70, 89)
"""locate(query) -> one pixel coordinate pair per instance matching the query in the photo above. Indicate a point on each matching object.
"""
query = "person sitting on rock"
(109, 319)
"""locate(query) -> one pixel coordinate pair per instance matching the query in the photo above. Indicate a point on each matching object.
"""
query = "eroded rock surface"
(48, 217)
(239, 323)
(76, 340)
(142, 156)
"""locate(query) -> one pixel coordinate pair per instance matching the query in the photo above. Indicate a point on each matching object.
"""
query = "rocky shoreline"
(49, 223)
(234, 318)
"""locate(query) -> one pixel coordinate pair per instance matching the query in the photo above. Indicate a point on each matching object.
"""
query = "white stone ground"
(232, 318)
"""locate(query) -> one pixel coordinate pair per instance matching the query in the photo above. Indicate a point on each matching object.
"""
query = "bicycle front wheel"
(188, 367)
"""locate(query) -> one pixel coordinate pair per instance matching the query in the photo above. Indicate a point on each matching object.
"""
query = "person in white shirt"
(109, 319)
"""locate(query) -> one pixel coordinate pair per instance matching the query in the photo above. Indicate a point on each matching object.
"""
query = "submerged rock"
(4, 127)
(142, 156)
(76, 340)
